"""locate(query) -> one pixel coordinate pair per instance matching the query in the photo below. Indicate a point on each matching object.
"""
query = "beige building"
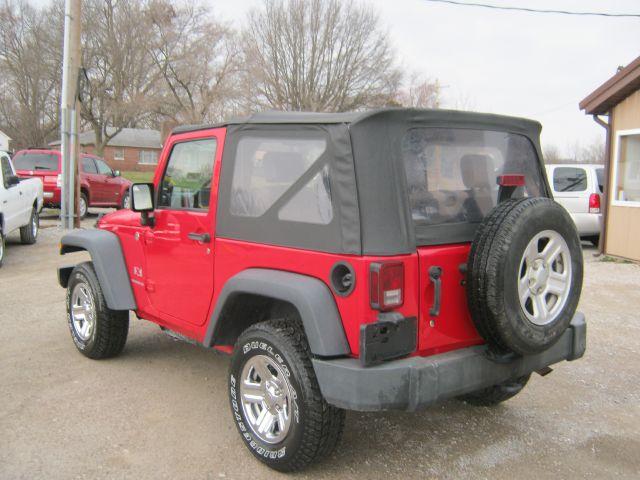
(619, 100)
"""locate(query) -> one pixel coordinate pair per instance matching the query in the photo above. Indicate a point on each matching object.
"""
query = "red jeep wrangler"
(363, 261)
(100, 186)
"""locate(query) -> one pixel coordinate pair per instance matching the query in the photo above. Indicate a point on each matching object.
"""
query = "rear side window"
(267, 168)
(36, 161)
(600, 177)
(569, 179)
(452, 173)
(88, 166)
(186, 183)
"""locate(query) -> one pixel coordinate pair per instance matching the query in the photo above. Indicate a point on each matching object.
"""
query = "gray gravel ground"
(160, 410)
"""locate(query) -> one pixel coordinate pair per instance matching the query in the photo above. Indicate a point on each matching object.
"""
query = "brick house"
(133, 149)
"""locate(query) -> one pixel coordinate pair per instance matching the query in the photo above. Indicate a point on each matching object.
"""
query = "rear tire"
(490, 396)
(29, 233)
(97, 331)
(282, 418)
(84, 205)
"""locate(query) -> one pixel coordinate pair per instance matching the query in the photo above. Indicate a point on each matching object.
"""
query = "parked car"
(368, 261)
(20, 204)
(579, 189)
(100, 186)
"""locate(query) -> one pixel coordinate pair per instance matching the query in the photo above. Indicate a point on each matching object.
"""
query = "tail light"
(594, 203)
(387, 285)
(59, 181)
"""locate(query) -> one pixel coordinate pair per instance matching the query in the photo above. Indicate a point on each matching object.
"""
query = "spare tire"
(524, 275)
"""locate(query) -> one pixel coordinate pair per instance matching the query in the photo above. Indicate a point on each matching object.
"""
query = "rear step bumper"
(417, 382)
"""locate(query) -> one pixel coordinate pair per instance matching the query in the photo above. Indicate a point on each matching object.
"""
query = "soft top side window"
(267, 167)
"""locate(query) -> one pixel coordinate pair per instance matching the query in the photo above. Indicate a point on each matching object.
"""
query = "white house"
(4, 141)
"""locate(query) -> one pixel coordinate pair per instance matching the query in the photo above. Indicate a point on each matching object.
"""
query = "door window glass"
(6, 170)
(103, 168)
(88, 166)
(187, 179)
(265, 168)
(569, 179)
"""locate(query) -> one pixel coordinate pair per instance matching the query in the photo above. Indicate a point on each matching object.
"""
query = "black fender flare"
(310, 296)
(108, 262)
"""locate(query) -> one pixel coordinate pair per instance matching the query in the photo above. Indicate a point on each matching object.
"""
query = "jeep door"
(179, 248)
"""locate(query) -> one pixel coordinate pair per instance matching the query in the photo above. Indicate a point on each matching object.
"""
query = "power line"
(535, 10)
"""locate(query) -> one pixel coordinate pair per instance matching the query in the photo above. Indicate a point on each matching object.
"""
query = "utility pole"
(70, 114)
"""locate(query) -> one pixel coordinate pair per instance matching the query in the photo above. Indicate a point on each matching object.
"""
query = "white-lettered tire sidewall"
(79, 276)
(272, 454)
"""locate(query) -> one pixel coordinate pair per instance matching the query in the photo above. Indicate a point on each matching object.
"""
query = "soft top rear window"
(36, 161)
(452, 175)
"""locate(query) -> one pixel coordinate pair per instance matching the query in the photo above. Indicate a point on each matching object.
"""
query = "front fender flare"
(310, 296)
(108, 262)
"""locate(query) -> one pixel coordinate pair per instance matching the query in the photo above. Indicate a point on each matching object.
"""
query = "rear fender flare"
(108, 262)
(311, 298)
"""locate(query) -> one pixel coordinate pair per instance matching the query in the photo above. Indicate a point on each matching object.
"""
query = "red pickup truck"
(100, 186)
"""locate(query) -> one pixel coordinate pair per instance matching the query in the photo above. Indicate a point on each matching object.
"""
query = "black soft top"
(441, 117)
(368, 184)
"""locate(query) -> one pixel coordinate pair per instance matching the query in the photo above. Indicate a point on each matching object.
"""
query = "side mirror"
(141, 195)
(12, 180)
(116, 173)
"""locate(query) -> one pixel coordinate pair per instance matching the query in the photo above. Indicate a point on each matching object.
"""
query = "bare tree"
(551, 154)
(593, 152)
(122, 76)
(198, 59)
(321, 55)
(31, 68)
(420, 92)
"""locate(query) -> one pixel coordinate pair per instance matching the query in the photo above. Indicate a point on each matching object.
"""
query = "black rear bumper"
(417, 382)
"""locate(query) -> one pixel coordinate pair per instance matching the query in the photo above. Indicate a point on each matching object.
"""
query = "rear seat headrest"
(477, 171)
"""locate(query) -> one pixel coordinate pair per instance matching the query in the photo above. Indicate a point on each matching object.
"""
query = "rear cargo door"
(445, 323)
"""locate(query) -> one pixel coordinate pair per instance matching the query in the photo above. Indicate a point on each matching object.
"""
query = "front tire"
(29, 233)
(125, 204)
(97, 331)
(275, 398)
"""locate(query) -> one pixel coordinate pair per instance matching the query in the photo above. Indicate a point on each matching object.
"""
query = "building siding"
(623, 223)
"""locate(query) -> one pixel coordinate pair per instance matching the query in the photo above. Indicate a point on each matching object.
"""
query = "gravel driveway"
(160, 410)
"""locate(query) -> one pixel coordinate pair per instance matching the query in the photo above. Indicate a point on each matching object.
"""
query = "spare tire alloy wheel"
(525, 275)
(545, 277)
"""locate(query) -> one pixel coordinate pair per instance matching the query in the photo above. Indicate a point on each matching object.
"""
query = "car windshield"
(452, 173)
(36, 161)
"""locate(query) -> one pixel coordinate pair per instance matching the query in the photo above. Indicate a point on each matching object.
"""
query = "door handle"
(199, 237)
(434, 275)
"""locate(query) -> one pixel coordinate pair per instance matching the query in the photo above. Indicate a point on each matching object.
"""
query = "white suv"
(579, 188)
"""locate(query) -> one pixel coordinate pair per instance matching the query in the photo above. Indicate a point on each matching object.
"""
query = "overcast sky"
(533, 65)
